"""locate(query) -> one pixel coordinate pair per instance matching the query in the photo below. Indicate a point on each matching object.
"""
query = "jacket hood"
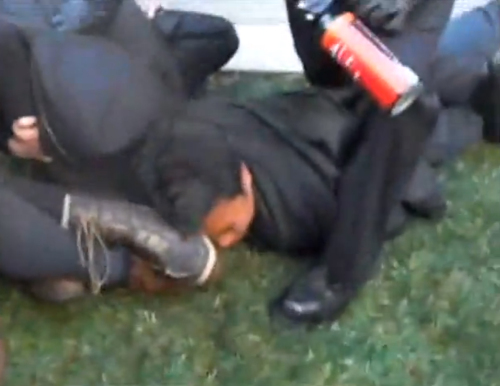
(92, 98)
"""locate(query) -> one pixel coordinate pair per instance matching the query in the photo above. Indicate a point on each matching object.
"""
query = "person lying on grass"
(312, 173)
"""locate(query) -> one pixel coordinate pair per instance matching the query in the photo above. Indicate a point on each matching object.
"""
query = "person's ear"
(246, 179)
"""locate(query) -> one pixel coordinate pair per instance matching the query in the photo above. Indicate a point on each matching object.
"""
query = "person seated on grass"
(107, 81)
(270, 171)
(182, 48)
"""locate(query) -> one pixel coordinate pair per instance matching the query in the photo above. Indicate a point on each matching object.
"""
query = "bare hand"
(25, 142)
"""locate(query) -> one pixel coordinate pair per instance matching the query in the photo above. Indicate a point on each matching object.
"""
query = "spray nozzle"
(314, 8)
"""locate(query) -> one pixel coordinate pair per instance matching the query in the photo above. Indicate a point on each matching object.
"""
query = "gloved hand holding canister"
(378, 15)
(382, 15)
(370, 63)
(366, 59)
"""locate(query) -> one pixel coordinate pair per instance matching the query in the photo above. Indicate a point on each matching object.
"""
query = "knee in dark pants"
(223, 30)
(228, 37)
(182, 28)
(211, 27)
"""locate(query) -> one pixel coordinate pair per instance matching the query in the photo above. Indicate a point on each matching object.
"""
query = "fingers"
(379, 15)
(27, 150)
(25, 141)
(27, 121)
(26, 129)
(18, 148)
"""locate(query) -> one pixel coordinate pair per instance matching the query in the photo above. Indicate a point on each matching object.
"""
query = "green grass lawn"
(430, 319)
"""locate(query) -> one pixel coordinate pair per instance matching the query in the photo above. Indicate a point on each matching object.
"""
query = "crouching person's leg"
(36, 250)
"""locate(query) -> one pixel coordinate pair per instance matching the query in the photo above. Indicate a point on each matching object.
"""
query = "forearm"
(423, 24)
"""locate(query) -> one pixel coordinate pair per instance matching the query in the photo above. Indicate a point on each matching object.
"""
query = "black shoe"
(486, 102)
(310, 300)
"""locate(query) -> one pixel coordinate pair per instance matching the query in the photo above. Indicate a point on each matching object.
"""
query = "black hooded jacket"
(292, 143)
(296, 145)
(95, 104)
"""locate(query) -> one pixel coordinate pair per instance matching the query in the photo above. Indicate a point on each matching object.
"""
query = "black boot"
(486, 102)
(311, 300)
(141, 228)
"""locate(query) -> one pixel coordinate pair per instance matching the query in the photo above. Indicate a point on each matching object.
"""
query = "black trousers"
(34, 246)
(373, 180)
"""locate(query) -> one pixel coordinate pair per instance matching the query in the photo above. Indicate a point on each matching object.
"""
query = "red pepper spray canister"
(393, 85)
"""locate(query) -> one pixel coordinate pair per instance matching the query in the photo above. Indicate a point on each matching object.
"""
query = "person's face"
(228, 222)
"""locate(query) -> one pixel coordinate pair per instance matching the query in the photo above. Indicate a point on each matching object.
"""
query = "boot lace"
(89, 238)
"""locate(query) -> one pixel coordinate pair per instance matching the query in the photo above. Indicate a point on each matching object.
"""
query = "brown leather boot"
(191, 260)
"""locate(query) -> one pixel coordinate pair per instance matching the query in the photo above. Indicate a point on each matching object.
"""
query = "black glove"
(382, 15)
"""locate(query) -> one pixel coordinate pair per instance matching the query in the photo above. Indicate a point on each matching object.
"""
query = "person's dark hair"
(187, 170)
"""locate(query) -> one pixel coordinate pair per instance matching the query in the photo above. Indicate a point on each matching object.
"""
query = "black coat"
(96, 105)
